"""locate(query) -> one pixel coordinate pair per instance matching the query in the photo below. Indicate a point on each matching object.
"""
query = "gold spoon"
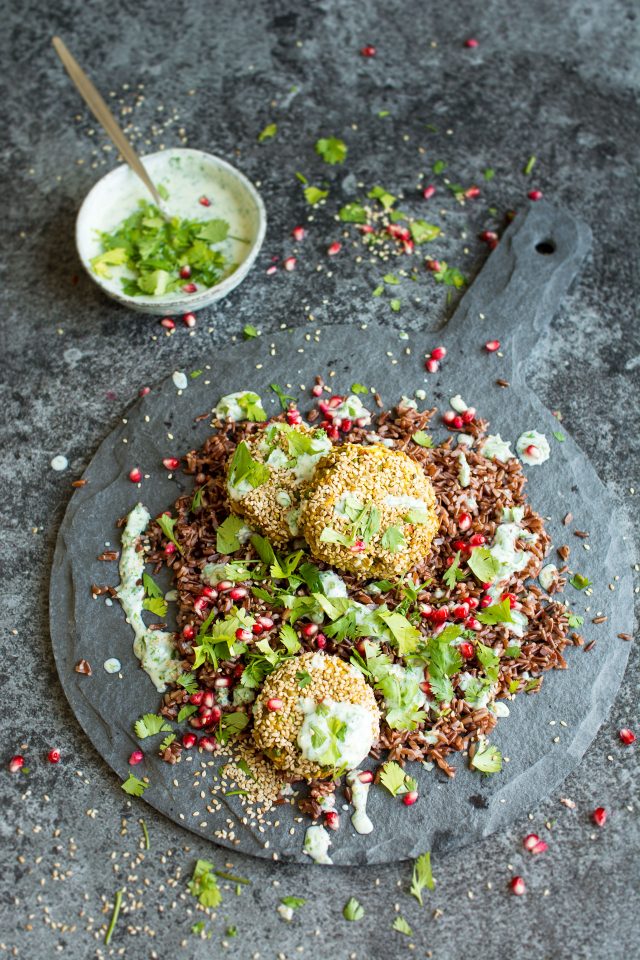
(106, 119)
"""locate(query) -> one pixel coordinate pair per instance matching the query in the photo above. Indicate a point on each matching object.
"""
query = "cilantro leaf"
(560, 437)
(289, 639)
(284, 398)
(423, 232)
(392, 776)
(227, 534)
(393, 539)
(574, 620)
(407, 636)
(483, 564)
(303, 678)
(204, 885)
(246, 769)
(391, 279)
(439, 166)
(386, 199)
(150, 724)
(530, 164)
(244, 468)
(353, 213)
(395, 305)
(453, 573)
(166, 742)
(151, 588)
(401, 925)
(487, 759)
(133, 786)
(352, 910)
(294, 902)
(422, 876)
(359, 388)
(313, 195)
(230, 725)
(213, 231)
(450, 276)
(488, 173)
(188, 681)
(167, 524)
(249, 332)
(268, 132)
(155, 605)
(422, 439)
(580, 582)
(331, 150)
(187, 711)
(496, 613)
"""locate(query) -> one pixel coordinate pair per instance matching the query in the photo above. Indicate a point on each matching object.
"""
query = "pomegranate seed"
(225, 585)
(432, 265)
(473, 603)
(316, 391)
(204, 712)
(143, 391)
(210, 593)
(365, 228)
(189, 320)
(243, 635)
(410, 798)
(205, 201)
(135, 475)
(540, 847)
(408, 246)
(439, 353)
(428, 192)
(461, 611)
(450, 561)
(274, 704)
(333, 433)
(468, 415)
(335, 401)
(466, 650)
(472, 624)
(346, 426)
(599, 816)
(257, 629)
(289, 264)
(168, 323)
(266, 623)
(189, 288)
(517, 885)
(332, 819)
(397, 232)
(198, 722)
(358, 547)
(361, 422)
(271, 270)
(472, 193)
(222, 682)
(368, 51)
(53, 756)
(459, 545)
(136, 757)
(471, 43)
(207, 743)
(365, 776)
(426, 611)
(321, 641)
(627, 736)
(169, 549)
(238, 670)
(171, 463)
(511, 597)
(216, 714)
(334, 248)
(185, 272)
(238, 593)
(310, 630)
(530, 841)
(535, 194)
(464, 521)
(200, 605)
(448, 417)
(457, 422)
(293, 416)
(298, 233)
(485, 602)
(477, 540)
(492, 345)
(188, 632)
(189, 740)
(196, 698)
(208, 699)
(15, 764)
(425, 686)
(532, 451)
(431, 365)
(440, 615)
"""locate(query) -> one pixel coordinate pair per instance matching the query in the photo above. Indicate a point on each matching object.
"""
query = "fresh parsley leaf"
(488, 173)
(483, 564)
(214, 231)
(574, 620)
(167, 524)
(331, 150)
(496, 613)
(422, 876)
(560, 437)
(395, 305)
(359, 388)
(230, 725)
(423, 232)
(580, 582)
(151, 588)
(195, 374)
(249, 332)
(303, 678)
(378, 291)
(439, 166)
(487, 759)
(513, 651)
(450, 276)
(196, 502)
(353, 213)
(407, 636)
(392, 776)
(284, 398)
(246, 769)
(227, 534)
(393, 539)
(401, 925)
(188, 681)
(289, 639)
(133, 786)
(293, 902)
(166, 742)
(155, 605)
(422, 439)
(187, 711)
(352, 910)
(453, 573)
(391, 279)
(244, 468)
(314, 195)
(204, 885)
(386, 199)
(149, 725)
(269, 131)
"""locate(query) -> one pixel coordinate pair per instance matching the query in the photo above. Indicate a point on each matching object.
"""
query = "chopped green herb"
(187, 711)
(393, 777)
(450, 276)
(117, 902)
(236, 793)
(530, 164)
(293, 902)
(230, 725)
(395, 305)
(313, 195)
(195, 374)
(560, 437)
(145, 834)
(393, 539)
(188, 681)
(284, 398)
(359, 388)
(196, 503)
(574, 620)
(133, 786)
(167, 524)
(453, 573)
(303, 678)
(580, 582)
(383, 113)
(151, 588)
(404, 633)
(269, 131)
(401, 925)
(244, 468)
(166, 743)
(390, 278)
(483, 564)
(155, 605)
(488, 173)
(250, 332)
(352, 910)
(497, 613)
(422, 876)
(301, 177)
(246, 769)
(204, 885)
(439, 166)
(487, 759)
(227, 534)
(422, 439)
(378, 292)
(331, 150)
(423, 232)
(386, 199)
(199, 929)
(149, 725)
(353, 213)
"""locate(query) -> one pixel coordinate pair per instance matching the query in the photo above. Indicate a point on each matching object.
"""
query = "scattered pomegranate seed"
(169, 549)
(333, 433)
(410, 798)
(135, 475)
(490, 237)
(196, 698)
(461, 611)
(316, 391)
(517, 885)
(358, 547)
(346, 426)
(477, 540)
(189, 740)
(511, 597)
(271, 270)
(238, 593)
(208, 743)
(530, 841)
(428, 192)
(472, 624)
(368, 51)
(225, 585)
(627, 736)
(540, 847)
(266, 623)
(473, 603)
(16, 763)
(464, 521)
(532, 451)
(216, 713)
(439, 353)
(210, 592)
(365, 776)
(440, 615)
(432, 265)
(274, 704)
(334, 248)
(53, 756)
(471, 43)
(204, 201)
(143, 391)
(293, 416)
(208, 699)
(332, 820)
(168, 323)
(431, 365)
(365, 228)
(457, 422)
(298, 233)
(535, 194)
(200, 605)
(185, 272)
(243, 635)
(289, 264)
(321, 641)
(136, 757)
(425, 686)
(448, 417)
(472, 193)
(599, 816)
(257, 629)
(485, 602)
(426, 610)
(189, 288)
(492, 345)
(466, 650)
(171, 463)
(310, 630)
(189, 320)
(468, 415)
(335, 401)
(460, 545)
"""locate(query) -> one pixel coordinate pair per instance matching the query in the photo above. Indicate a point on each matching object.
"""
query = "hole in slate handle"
(546, 247)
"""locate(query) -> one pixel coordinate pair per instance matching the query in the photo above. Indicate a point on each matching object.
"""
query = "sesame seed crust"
(276, 732)
(372, 473)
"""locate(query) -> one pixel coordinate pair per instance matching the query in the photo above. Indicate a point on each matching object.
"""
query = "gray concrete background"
(556, 80)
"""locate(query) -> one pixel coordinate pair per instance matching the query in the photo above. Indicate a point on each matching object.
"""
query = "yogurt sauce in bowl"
(186, 177)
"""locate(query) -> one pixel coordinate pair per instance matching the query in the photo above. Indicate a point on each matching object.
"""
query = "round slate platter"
(546, 734)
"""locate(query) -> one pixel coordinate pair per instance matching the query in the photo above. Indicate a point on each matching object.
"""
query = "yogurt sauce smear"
(316, 844)
(359, 793)
(153, 648)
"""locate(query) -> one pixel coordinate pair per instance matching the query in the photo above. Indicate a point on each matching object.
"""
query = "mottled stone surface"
(558, 83)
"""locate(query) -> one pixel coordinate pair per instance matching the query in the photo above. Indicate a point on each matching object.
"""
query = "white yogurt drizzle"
(316, 844)
(359, 793)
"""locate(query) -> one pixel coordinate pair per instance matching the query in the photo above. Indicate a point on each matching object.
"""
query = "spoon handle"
(104, 116)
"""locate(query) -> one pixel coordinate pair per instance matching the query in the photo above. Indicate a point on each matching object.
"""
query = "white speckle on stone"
(180, 380)
(60, 462)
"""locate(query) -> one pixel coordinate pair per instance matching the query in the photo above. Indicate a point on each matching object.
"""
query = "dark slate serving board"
(517, 293)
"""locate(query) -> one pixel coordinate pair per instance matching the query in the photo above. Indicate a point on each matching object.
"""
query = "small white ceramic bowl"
(187, 175)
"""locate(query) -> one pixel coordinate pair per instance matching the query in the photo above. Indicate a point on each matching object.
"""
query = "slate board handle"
(522, 284)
